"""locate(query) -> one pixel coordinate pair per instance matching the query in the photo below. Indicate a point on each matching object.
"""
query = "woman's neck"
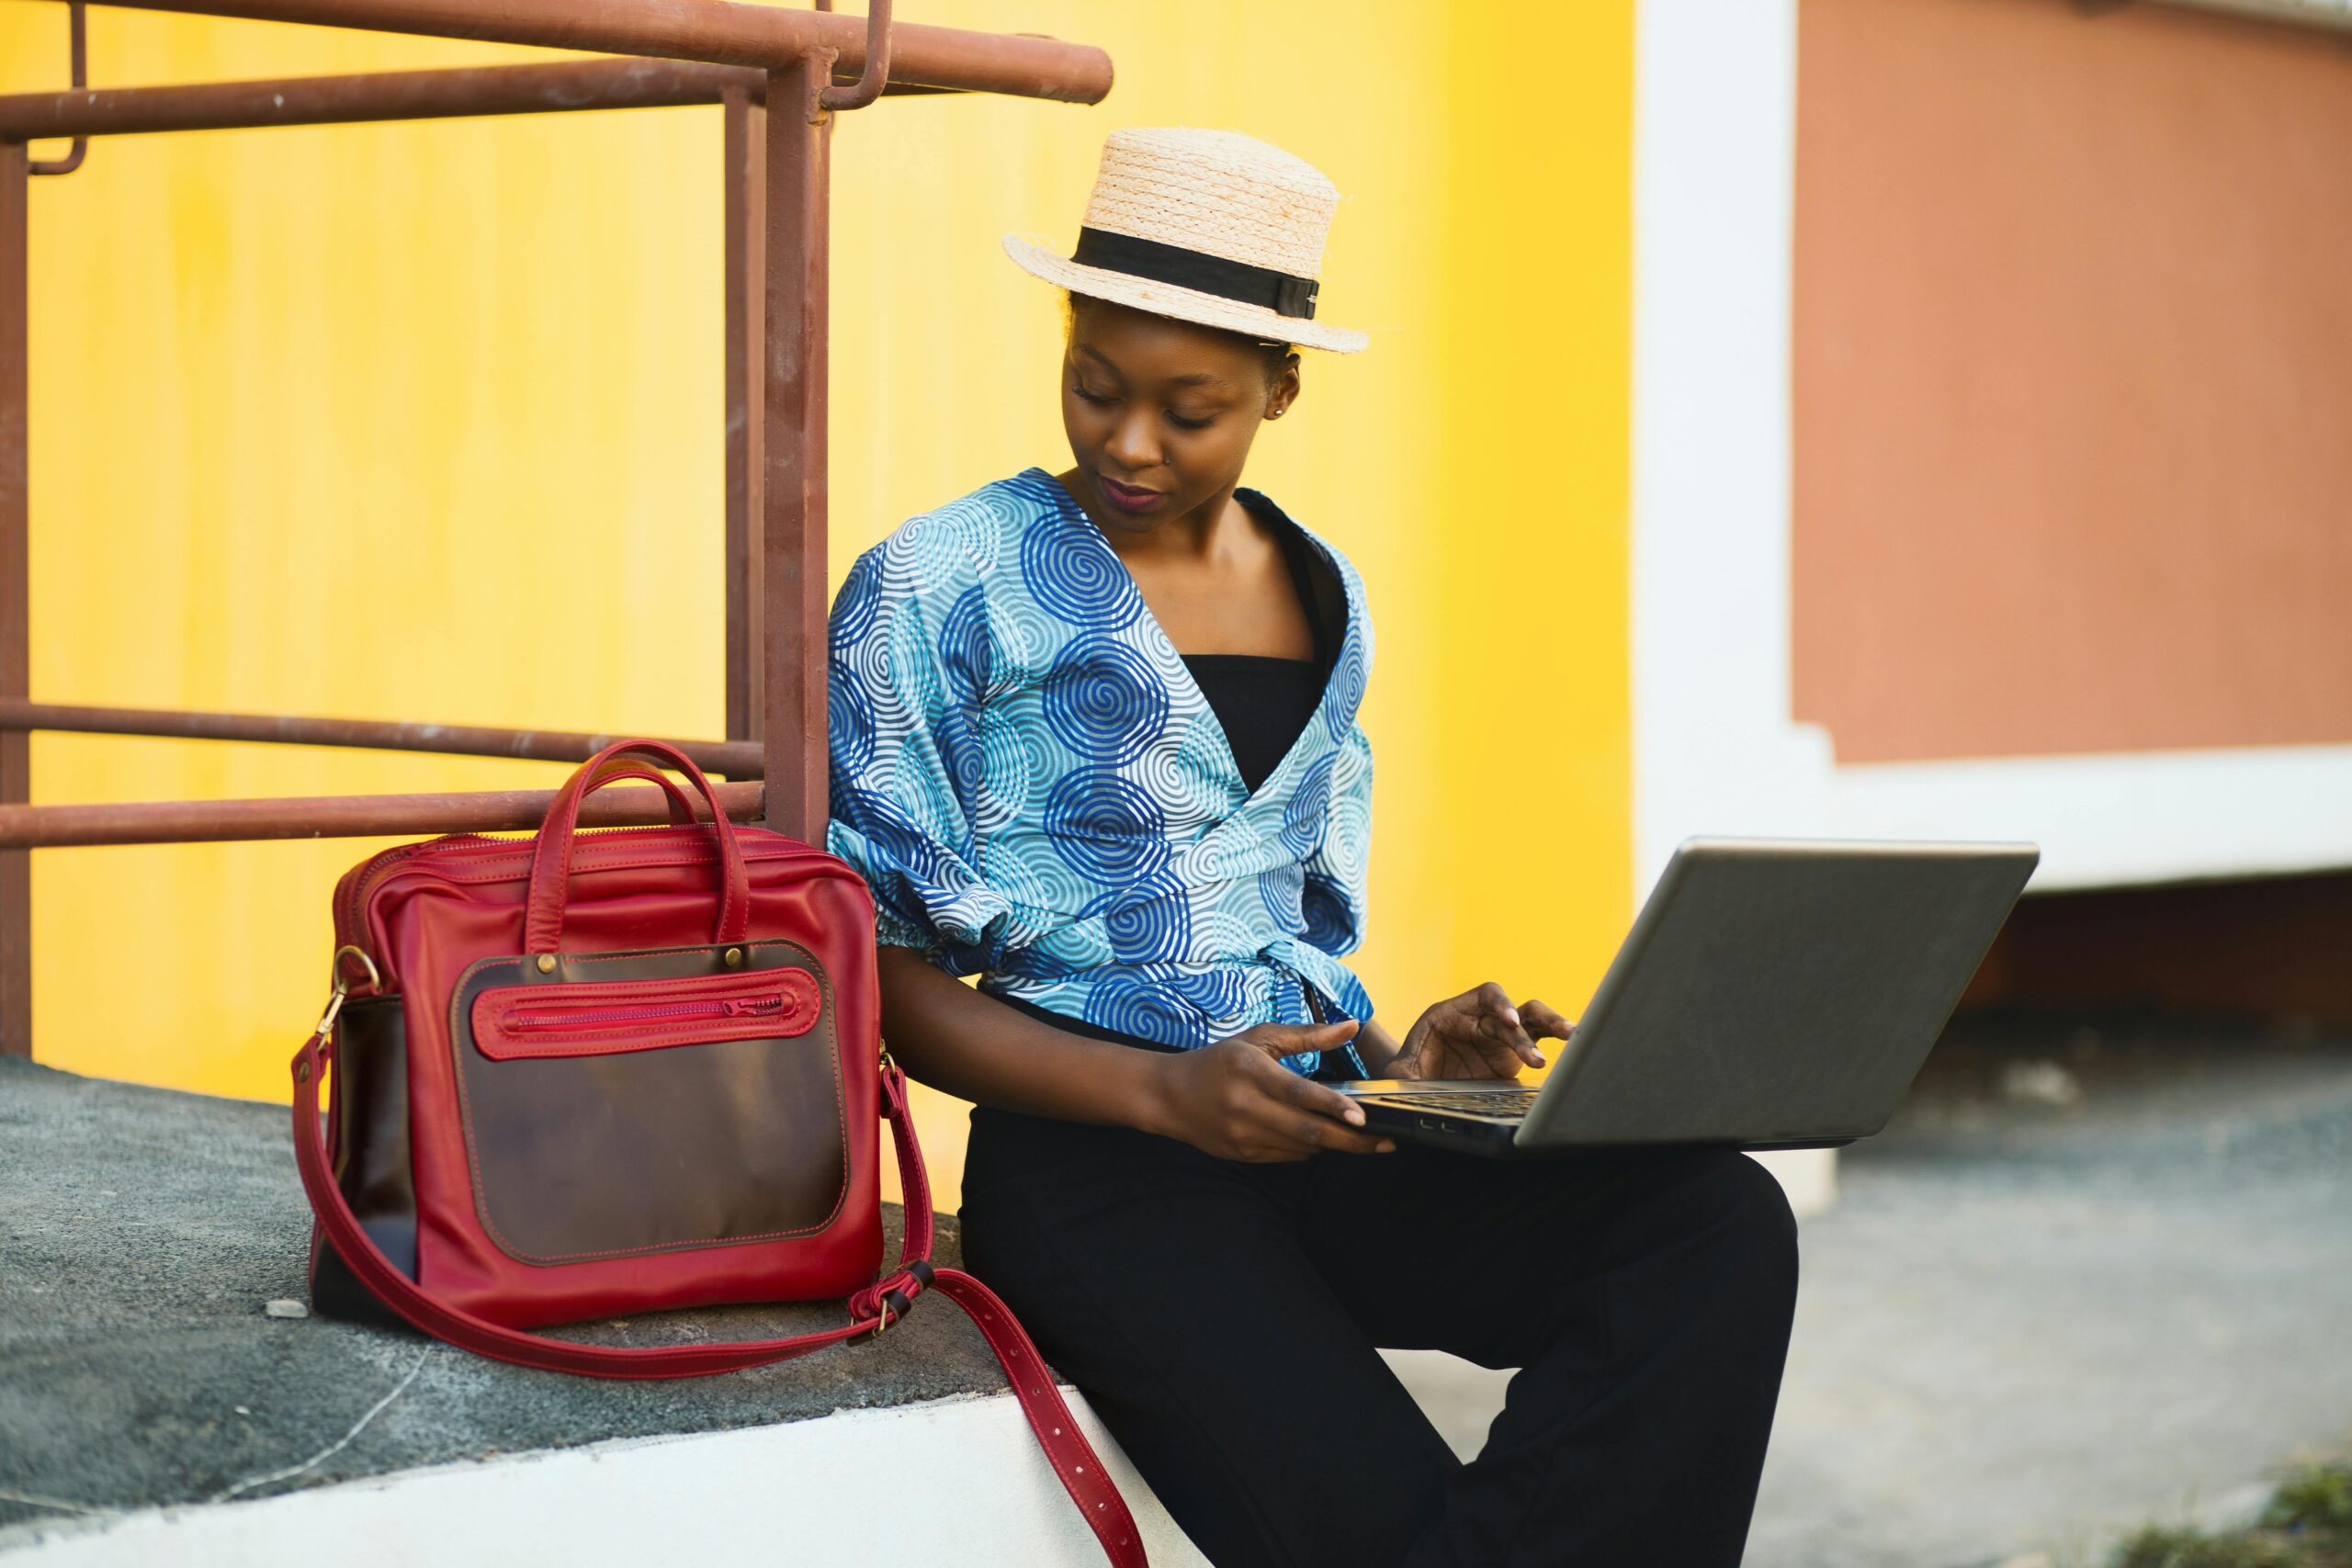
(1201, 535)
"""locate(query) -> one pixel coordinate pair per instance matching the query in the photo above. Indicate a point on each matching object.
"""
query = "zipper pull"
(754, 1007)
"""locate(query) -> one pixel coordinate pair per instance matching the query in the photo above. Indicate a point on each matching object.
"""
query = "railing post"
(745, 159)
(16, 641)
(792, 574)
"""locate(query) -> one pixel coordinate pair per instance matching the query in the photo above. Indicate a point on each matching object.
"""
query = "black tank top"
(1264, 704)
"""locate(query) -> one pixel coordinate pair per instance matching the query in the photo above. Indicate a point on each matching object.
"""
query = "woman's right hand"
(1235, 1099)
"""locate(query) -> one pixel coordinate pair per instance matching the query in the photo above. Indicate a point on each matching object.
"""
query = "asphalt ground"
(2097, 1272)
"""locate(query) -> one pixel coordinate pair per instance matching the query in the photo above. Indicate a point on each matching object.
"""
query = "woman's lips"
(1127, 498)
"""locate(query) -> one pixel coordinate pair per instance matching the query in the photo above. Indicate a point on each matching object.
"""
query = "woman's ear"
(1285, 390)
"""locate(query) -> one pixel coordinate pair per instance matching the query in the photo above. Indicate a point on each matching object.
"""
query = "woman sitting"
(1095, 740)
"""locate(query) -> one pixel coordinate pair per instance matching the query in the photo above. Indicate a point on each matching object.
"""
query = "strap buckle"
(894, 1300)
(343, 986)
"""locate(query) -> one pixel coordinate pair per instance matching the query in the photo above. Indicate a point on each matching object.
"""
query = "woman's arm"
(1234, 1099)
(975, 1047)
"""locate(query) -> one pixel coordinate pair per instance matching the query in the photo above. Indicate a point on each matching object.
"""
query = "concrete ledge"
(141, 1383)
(956, 1481)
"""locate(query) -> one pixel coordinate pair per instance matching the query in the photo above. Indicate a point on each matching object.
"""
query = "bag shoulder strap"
(873, 1309)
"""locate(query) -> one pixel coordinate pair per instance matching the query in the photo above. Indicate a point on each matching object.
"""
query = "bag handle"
(682, 810)
(873, 1309)
(551, 853)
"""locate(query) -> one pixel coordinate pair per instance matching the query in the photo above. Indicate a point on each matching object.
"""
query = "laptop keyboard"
(1487, 1101)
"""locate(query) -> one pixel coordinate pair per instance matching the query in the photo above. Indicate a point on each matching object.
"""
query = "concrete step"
(151, 1409)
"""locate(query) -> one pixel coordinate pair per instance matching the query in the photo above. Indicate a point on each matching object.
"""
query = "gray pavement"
(141, 1233)
(2090, 1277)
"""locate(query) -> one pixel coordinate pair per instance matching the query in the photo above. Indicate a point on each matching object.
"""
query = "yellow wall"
(422, 422)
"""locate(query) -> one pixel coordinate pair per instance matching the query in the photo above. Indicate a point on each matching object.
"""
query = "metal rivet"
(734, 958)
(547, 963)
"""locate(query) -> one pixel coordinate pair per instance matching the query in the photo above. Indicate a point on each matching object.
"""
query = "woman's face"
(1160, 413)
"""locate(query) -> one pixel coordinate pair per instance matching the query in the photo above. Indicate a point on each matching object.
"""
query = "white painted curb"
(956, 1481)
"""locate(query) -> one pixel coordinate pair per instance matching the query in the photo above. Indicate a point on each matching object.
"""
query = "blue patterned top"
(1038, 791)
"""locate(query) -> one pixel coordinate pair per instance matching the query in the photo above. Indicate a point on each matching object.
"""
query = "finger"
(1293, 1038)
(1486, 1012)
(1498, 1022)
(1494, 1001)
(1471, 1048)
(1322, 1100)
(1446, 1056)
(1508, 1042)
(1483, 1046)
(1317, 1132)
(1543, 1020)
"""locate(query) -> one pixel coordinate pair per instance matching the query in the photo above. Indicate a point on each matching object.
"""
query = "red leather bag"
(595, 1076)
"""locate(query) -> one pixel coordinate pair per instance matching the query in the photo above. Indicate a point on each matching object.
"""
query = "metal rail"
(77, 71)
(745, 155)
(15, 635)
(869, 83)
(719, 31)
(337, 816)
(624, 81)
(797, 186)
(739, 759)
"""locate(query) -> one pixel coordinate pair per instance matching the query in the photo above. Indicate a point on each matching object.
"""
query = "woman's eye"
(1180, 423)
(1088, 395)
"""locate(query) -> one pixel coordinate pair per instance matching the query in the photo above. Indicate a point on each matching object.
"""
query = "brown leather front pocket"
(652, 1102)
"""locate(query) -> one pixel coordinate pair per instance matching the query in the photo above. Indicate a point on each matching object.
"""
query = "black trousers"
(1222, 1319)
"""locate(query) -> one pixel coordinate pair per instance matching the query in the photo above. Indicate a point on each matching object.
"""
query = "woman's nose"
(1133, 445)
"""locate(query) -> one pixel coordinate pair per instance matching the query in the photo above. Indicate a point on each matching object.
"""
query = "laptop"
(1772, 993)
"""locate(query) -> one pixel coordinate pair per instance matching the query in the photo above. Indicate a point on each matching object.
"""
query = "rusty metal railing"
(780, 76)
(735, 758)
(77, 71)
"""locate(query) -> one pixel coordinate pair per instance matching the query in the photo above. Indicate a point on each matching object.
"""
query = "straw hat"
(1206, 226)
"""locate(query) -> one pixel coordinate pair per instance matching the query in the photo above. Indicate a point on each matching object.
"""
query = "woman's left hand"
(1478, 1035)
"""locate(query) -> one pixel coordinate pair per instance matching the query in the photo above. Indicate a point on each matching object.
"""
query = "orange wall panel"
(2073, 380)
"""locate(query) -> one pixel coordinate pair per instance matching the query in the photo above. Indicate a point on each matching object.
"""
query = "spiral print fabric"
(1072, 582)
(1104, 699)
(1038, 794)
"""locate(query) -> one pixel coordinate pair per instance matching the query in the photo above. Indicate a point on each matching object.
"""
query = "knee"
(1746, 1218)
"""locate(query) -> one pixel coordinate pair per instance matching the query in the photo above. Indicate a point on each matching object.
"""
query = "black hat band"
(1238, 281)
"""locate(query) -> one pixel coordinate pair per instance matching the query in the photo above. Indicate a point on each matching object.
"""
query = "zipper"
(387, 861)
(526, 1019)
(360, 882)
(618, 1017)
(376, 865)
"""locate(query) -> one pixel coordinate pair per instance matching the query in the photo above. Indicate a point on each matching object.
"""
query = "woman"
(1095, 739)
